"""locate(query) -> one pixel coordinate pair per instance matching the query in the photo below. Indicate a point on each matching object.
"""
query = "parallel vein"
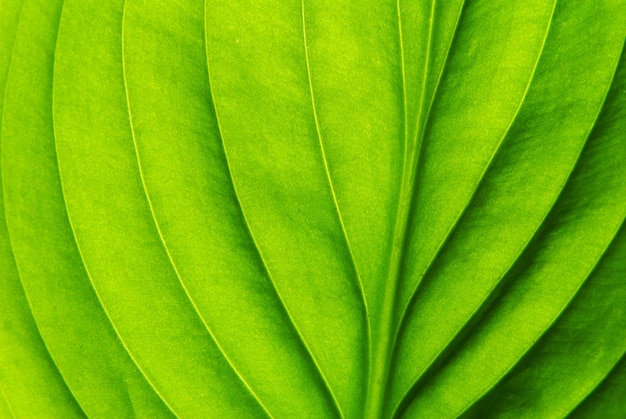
(481, 178)
(524, 248)
(8, 404)
(84, 263)
(554, 320)
(6, 226)
(253, 237)
(597, 385)
(331, 185)
(164, 243)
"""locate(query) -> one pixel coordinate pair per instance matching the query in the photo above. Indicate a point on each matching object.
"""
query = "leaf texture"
(341, 209)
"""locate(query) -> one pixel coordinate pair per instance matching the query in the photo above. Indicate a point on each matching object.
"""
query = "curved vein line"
(332, 188)
(417, 140)
(405, 110)
(420, 141)
(444, 65)
(383, 363)
(420, 129)
(80, 252)
(162, 237)
(6, 401)
(596, 385)
(6, 222)
(32, 315)
(101, 302)
(378, 376)
(590, 133)
(253, 237)
(416, 156)
(526, 246)
(552, 322)
(468, 203)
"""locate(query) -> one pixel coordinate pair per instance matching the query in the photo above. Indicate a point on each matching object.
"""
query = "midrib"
(383, 347)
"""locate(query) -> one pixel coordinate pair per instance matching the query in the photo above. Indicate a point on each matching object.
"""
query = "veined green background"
(313, 208)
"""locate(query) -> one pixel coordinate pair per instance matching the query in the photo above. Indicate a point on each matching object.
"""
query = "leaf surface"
(313, 209)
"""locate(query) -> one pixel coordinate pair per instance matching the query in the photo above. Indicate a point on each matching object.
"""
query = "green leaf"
(313, 209)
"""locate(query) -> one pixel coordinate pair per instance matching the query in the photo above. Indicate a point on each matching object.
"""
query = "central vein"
(383, 347)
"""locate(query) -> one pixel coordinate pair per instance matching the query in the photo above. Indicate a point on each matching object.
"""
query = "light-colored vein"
(7, 403)
(620, 225)
(418, 137)
(6, 226)
(383, 348)
(481, 178)
(420, 140)
(554, 320)
(405, 107)
(252, 235)
(420, 129)
(331, 185)
(524, 248)
(414, 160)
(386, 347)
(164, 242)
(82, 258)
(415, 153)
(601, 380)
(30, 307)
(441, 71)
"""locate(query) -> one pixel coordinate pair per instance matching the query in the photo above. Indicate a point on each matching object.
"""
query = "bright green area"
(359, 209)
